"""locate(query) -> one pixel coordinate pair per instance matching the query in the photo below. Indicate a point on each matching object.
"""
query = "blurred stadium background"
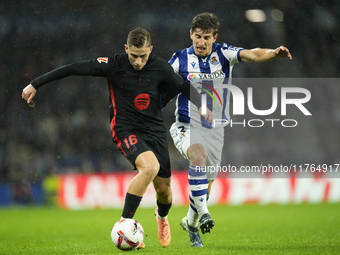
(68, 129)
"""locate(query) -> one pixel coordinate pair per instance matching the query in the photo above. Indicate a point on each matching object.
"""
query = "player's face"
(138, 56)
(202, 42)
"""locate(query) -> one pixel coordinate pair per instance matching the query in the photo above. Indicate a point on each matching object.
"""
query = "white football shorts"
(184, 135)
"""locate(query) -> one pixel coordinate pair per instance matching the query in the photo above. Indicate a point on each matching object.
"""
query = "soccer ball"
(127, 234)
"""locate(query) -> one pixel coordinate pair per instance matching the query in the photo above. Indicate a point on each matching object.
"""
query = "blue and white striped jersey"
(204, 74)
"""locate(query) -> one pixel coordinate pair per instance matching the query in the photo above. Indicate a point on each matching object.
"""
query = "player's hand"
(282, 52)
(209, 117)
(28, 93)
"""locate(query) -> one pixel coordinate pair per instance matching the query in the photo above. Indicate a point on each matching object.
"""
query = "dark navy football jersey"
(136, 96)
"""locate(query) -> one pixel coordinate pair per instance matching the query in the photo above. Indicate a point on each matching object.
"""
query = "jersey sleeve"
(174, 84)
(231, 53)
(97, 67)
(103, 66)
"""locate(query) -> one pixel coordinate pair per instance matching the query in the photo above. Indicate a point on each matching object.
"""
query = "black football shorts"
(132, 144)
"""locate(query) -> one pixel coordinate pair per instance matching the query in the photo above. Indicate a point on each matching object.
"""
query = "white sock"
(192, 214)
(198, 183)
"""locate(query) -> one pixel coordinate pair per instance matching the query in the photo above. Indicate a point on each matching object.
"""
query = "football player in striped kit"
(205, 64)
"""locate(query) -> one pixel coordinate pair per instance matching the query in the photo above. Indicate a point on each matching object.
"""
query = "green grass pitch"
(246, 229)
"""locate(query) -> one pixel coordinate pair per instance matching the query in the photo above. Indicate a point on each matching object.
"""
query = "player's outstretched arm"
(259, 55)
(28, 93)
(78, 68)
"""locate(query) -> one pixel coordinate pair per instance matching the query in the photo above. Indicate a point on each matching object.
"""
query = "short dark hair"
(139, 37)
(205, 21)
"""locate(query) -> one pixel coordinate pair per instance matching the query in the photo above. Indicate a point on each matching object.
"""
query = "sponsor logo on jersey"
(206, 76)
(142, 101)
(191, 77)
(103, 60)
(210, 76)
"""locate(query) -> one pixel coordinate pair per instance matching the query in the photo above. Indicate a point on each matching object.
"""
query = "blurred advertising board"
(87, 191)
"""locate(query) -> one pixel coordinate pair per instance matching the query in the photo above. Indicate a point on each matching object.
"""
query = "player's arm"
(175, 85)
(97, 67)
(178, 84)
(79, 68)
(259, 55)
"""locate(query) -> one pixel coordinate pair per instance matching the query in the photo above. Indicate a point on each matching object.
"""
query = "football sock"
(163, 209)
(192, 214)
(130, 206)
(198, 183)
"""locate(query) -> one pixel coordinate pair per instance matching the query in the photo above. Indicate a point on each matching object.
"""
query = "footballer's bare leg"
(148, 167)
(163, 189)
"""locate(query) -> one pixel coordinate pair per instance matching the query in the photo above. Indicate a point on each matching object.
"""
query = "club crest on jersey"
(103, 60)
(213, 61)
(144, 80)
(142, 101)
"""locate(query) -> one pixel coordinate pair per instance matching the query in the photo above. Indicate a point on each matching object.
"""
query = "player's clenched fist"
(28, 93)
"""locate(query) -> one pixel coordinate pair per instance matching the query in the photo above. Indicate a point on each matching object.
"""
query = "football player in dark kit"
(140, 85)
